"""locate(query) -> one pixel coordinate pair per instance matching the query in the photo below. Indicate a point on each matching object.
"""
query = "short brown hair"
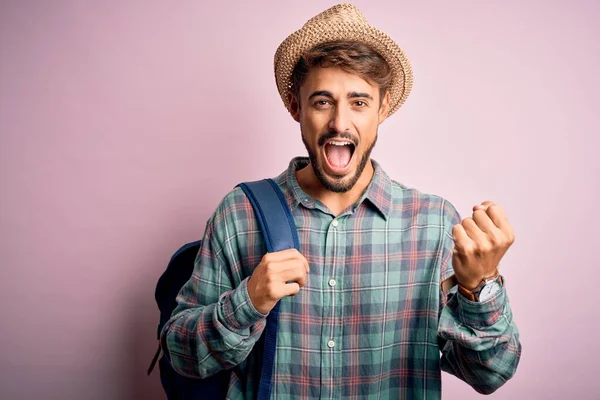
(352, 57)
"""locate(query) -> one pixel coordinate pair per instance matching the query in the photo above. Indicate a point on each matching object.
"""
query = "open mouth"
(338, 155)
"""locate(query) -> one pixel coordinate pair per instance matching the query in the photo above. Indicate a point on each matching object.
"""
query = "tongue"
(338, 156)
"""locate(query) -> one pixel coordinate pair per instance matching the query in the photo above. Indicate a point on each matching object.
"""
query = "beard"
(333, 184)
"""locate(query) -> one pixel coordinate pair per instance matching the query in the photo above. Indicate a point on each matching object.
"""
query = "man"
(365, 306)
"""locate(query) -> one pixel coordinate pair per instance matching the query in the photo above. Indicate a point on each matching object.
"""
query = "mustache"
(336, 135)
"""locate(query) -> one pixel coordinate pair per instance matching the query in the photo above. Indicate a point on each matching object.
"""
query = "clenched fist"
(480, 243)
(278, 275)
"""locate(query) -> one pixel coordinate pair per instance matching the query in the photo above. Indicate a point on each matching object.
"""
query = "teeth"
(340, 143)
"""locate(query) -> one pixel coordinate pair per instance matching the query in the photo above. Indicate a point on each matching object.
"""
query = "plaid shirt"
(371, 320)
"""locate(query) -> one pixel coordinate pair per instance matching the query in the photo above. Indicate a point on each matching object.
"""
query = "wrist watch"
(485, 290)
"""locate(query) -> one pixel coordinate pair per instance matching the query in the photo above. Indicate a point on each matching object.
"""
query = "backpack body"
(178, 272)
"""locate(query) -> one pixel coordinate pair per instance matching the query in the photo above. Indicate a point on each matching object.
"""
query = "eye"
(321, 103)
(360, 103)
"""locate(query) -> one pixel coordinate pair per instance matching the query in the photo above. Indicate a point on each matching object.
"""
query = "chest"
(368, 266)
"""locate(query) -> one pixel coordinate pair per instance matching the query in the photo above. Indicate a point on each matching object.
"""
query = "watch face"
(488, 291)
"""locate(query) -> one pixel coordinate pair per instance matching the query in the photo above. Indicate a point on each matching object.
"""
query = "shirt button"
(335, 223)
(331, 344)
(332, 282)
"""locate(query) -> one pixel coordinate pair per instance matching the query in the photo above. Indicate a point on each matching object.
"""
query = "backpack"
(280, 233)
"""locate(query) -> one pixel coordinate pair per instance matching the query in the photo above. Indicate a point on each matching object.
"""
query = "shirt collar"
(378, 193)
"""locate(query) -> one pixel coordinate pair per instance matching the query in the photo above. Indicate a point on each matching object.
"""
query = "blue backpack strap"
(274, 215)
(280, 233)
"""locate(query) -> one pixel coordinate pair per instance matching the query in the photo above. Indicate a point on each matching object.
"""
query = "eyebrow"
(351, 95)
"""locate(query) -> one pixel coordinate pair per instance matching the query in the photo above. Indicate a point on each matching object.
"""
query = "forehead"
(336, 81)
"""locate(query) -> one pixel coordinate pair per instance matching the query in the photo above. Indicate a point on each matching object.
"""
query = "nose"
(340, 119)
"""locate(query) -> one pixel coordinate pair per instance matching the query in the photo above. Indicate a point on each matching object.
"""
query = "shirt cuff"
(487, 313)
(236, 310)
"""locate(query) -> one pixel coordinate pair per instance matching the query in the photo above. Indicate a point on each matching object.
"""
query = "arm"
(215, 325)
(479, 341)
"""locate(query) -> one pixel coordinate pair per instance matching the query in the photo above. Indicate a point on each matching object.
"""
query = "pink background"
(122, 126)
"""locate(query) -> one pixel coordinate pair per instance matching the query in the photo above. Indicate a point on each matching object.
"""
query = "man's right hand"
(269, 281)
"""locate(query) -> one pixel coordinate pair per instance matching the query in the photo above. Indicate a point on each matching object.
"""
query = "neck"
(336, 202)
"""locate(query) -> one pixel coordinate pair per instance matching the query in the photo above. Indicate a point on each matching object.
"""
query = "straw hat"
(342, 22)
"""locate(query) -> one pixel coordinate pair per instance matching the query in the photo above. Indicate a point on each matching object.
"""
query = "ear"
(385, 107)
(294, 106)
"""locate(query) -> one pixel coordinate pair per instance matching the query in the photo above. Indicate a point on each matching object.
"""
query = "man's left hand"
(480, 242)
